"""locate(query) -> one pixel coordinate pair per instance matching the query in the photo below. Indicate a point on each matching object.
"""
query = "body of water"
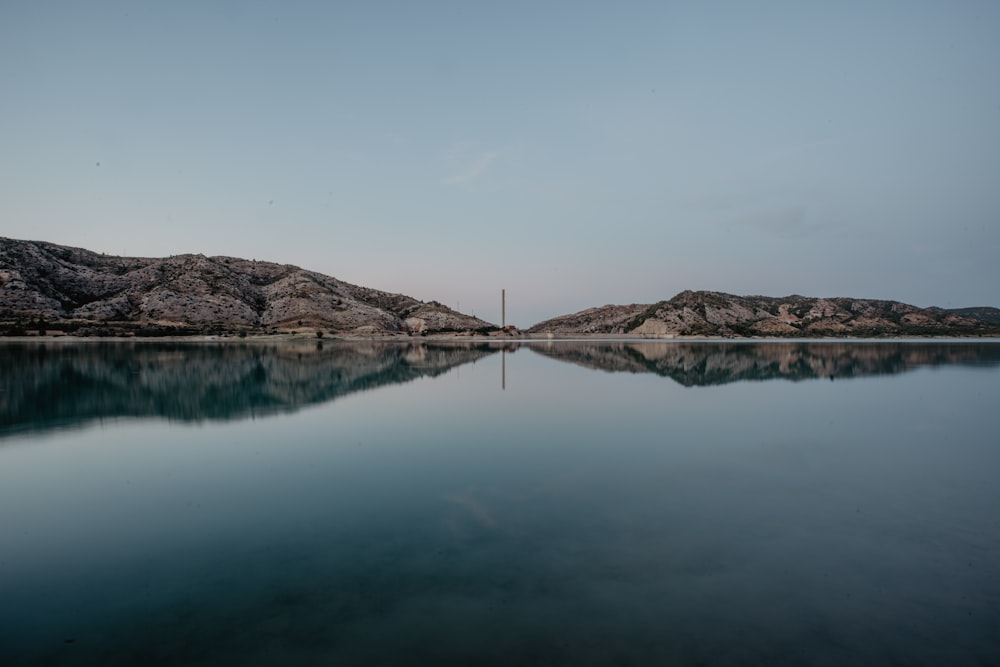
(558, 503)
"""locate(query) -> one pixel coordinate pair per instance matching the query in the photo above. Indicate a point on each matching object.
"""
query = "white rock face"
(415, 324)
(653, 327)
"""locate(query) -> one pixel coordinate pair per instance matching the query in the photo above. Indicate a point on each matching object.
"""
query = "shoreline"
(472, 339)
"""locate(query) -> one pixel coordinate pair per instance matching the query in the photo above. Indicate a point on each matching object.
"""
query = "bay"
(327, 502)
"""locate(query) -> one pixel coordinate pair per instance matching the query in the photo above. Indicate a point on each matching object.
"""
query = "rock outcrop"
(46, 287)
(718, 314)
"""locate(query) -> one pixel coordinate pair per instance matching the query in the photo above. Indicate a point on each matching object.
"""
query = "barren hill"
(718, 314)
(44, 286)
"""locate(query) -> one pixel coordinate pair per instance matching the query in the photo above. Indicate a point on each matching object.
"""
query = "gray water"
(558, 503)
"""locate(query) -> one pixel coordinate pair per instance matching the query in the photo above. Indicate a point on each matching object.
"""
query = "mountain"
(48, 287)
(44, 286)
(719, 314)
(984, 313)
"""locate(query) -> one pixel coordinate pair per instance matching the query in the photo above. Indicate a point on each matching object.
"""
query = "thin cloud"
(788, 153)
(472, 169)
(785, 222)
(792, 221)
(778, 214)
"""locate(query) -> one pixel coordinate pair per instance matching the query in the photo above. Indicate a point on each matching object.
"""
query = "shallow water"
(558, 503)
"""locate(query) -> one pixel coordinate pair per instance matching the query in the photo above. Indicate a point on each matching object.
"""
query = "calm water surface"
(558, 503)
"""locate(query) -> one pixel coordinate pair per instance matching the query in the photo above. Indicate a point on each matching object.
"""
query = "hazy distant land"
(48, 289)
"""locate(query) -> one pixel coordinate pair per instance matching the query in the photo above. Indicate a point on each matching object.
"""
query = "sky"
(574, 154)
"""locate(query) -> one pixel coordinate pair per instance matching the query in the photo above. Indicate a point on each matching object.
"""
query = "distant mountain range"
(46, 287)
(49, 287)
(718, 314)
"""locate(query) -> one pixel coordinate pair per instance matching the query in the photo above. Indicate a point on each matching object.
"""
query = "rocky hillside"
(44, 286)
(718, 314)
(984, 313)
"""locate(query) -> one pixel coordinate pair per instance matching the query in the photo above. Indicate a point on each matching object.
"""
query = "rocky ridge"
(719, 314)
(48, 287)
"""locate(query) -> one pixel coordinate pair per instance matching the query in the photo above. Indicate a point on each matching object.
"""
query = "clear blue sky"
(574, 153)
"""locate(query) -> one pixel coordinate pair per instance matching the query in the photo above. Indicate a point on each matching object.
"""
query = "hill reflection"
(51, 385)
(48, 385)
(701, 364)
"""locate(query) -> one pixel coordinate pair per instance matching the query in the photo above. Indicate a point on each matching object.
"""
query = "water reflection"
(700, 364)
(61, 384)
(578, 518)
(48, 385)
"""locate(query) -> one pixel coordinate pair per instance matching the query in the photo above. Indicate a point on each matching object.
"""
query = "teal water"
(544, 504)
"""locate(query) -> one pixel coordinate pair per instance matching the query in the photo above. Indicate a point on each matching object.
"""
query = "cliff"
(45, 287)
